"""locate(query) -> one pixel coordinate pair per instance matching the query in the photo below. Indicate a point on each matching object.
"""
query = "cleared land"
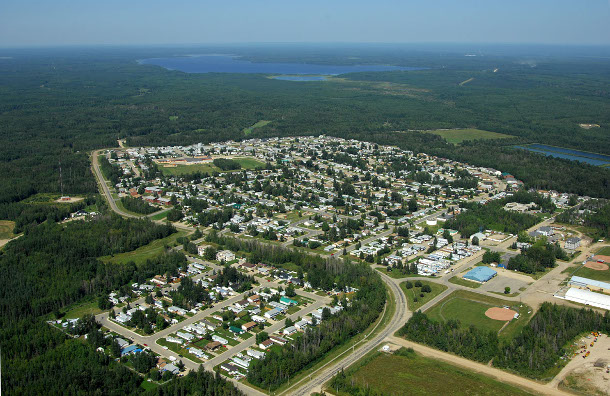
(6, 229)
(415, 293)
(456, 136)
(178, 170)
(259, 124)
(143, 253)
(469, 308)
(403, 374)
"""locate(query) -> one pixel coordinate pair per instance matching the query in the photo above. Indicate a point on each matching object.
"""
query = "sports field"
(589, 273)
(469, 308)
(456, 136)
(605, 251)
(408, 373)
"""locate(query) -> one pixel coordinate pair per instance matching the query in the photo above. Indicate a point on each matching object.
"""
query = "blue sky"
(69, 22)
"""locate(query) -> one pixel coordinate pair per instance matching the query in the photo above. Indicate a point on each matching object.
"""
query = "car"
(146, 345)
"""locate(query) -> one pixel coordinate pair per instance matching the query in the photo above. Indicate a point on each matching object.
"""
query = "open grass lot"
(143, 253)
(6, 229)
(415, 292)
(464, 282)
(456, 136)
(259, 124)
(77, 310)
(469, 308)
(407, 373)
(395, 273)
(160, 216)
(180, 170)
(605, 251)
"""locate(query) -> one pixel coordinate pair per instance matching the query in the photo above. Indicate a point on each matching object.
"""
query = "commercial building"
(480, 274)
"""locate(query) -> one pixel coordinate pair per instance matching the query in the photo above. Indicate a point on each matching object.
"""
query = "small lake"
(232, 64)
(570, 154)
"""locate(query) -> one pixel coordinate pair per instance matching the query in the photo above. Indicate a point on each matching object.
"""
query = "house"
(289, 330)
(287, 301)
(186, 336)
(255, 354)
(171, 368)
(122, 343)
(254, 299)
(258, 319)
(301, 324)
(130, 349)
(198, 352)
(225, 255)
(218, 338)
(236, 330)
(265, 344)
(272, 313)
(278, 340)
(177, 310)
(201, 249)
(212, 346)
(248, 326)
(174, 340)
(231, 369)
(572, 243)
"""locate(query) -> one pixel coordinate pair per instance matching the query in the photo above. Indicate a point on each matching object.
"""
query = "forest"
(138, 205)
(531, 353)
(595, 217)
(491, 216)
(538, 257)
(90, 98)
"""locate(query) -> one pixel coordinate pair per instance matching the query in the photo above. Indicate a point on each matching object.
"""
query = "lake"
(570, 154)
(232, 64)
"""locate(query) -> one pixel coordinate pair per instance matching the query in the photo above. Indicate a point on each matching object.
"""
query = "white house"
(225, 255)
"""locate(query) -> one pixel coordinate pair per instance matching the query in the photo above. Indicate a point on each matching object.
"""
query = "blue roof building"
(130, 349)
(480, 274)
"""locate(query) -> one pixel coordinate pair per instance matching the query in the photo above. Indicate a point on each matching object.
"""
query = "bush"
(409, 285)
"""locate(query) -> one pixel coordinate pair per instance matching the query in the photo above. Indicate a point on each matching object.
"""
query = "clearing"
(456, 136)
(402, 373)
(6, 229)
(415, 293)
(259, 124)
(179, 170)
(470, 308)
(143, 253)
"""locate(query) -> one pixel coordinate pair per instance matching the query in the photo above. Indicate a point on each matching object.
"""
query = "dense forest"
(534, 351)
(78, 100)
(538, 257)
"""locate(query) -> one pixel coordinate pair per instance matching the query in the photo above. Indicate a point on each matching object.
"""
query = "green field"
(160, 216)
(464, 282)
(469, 308)
(604, 251)
(589, 273)
(408, 373)
(77, 310)
(178, 170)
(259, 124)
(415, 292)
(456, 136)
(6, 229)
(143, 253)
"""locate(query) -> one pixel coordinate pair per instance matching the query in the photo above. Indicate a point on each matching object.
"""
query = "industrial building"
(480, 274)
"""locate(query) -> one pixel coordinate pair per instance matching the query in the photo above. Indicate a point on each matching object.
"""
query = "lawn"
(414, 292)
(180, 170)
(259, 124)
(456, 136)
(6, 229)
(143, 253)
(248, 162)
(469, 308)
(395, 273)
(464, 282)
(408, 373)
(160, 216)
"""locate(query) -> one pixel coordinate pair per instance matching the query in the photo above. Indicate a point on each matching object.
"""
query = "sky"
(150, 22)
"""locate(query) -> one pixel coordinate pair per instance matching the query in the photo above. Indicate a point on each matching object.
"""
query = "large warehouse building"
(480, 274)
(587, 297)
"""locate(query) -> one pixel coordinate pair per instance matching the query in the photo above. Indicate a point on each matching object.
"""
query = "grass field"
(160, 216)
(469, 308)
(415, 292)
(178, 170)
(259, 124)
(605, 251)
(407, 373)
(589, 273)
(143, 253)
(456, 136)
(6, 229)
(464, 282)
(77, 310)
